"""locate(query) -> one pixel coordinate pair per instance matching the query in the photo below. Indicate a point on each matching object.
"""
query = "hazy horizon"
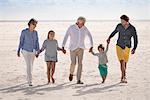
(90, 20)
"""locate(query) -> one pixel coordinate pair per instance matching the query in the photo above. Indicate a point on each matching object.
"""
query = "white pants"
(29, 59)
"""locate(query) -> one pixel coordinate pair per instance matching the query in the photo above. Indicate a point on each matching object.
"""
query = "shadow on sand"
(41, 89)
(98, 89)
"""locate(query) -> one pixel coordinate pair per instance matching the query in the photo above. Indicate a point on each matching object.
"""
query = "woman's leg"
(122, 67)
(32, 57)
(53, 70)
(48, 71)
(29, 58)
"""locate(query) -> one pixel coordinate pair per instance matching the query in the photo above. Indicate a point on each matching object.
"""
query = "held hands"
(132, 51)
(108, 40)
(91, 49)
(18, 54)
(36, 55)
(63, 50)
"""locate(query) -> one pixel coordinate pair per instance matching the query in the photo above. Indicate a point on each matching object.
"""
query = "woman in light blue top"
(28, 45)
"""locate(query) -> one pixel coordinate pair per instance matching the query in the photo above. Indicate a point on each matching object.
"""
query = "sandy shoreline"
(13, 70)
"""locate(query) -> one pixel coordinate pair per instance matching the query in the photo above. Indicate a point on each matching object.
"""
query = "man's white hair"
(82, 18)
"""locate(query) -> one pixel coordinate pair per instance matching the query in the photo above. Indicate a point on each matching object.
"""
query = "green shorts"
(103, 69)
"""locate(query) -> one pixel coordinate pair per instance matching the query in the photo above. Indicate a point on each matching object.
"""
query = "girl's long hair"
(49, 33)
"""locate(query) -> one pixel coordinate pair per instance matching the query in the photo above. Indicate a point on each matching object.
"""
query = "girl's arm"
(43, 47)
(60, 49)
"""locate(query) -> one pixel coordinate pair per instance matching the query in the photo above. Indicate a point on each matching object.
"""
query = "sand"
(13, 69)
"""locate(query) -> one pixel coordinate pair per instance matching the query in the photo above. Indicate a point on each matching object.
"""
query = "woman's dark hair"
(125, 17)
(32, 21)
(49, 33)
(100, 46)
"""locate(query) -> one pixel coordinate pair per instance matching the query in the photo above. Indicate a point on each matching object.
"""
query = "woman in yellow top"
(126, 32)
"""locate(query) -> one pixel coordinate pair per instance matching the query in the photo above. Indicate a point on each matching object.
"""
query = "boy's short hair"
(101, 46)
(125, 17)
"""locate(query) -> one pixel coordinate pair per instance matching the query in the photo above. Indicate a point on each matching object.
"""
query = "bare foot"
(103, 81)
(48, 82)
(53, 80)
(123, 81)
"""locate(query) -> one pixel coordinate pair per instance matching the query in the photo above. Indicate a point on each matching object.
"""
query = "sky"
(71, 9)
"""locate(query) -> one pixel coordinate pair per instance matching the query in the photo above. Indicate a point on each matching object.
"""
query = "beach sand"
(13, 69)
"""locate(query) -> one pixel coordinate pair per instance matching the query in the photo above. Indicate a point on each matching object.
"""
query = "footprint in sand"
(40, 93)
(24, 99)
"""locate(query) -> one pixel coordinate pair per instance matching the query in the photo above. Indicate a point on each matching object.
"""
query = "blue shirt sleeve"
(37, 42)
(21, 41)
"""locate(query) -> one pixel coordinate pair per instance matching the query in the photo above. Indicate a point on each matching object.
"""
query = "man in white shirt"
(77, 34)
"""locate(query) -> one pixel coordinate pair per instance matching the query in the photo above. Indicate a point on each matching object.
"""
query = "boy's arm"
(93, 53)
(107, 47)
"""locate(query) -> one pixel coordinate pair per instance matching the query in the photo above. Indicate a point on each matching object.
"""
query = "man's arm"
(91, 40)
(66, 38)
(90, 37)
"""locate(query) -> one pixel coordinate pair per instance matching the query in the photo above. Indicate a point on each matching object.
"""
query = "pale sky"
(71, 9)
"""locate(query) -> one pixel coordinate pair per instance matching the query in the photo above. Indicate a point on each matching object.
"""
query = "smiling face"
(81, 21)
(123, 22)
(100, 50)
(51, 35)
(32, 25)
